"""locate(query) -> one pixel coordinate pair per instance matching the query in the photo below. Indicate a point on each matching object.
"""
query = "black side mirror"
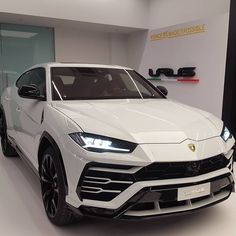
(163, 90)
(30, 91)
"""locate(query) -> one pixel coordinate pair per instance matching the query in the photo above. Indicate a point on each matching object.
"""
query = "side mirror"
(163, 90)
(30, 91)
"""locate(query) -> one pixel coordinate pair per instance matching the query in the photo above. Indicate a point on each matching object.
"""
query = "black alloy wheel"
(53, 187)
(50, 189)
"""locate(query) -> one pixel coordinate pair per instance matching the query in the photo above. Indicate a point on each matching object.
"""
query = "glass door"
(21, 47)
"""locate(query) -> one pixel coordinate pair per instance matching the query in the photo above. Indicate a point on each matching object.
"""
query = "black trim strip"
(172, 213)
(23, 156)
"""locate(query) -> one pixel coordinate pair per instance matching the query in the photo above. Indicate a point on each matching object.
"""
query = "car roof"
(70, 64)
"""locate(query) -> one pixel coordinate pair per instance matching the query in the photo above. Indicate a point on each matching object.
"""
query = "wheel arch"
(47, 140)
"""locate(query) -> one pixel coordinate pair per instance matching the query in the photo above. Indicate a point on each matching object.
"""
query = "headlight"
(99, 143)
(226, 134)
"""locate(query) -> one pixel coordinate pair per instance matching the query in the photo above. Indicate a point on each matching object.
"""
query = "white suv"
(105, 142)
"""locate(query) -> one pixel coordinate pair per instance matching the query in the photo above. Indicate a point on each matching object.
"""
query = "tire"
(7, 149)
(54, 190)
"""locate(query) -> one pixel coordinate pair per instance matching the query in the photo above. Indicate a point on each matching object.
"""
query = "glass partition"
(21, 47)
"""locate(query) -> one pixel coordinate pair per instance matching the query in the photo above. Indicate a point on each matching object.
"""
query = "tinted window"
(36, 77)
(75, 83)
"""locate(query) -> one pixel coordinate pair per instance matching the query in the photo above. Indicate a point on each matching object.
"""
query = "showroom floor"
(21, 213)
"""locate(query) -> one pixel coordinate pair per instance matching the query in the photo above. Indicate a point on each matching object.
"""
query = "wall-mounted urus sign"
(184, 74)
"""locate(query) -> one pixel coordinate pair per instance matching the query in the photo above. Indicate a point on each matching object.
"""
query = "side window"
(36, 76)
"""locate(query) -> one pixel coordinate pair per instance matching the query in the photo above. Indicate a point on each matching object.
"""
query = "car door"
(11, 107)
(30, 114)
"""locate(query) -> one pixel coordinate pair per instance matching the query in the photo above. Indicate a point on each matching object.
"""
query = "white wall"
(119, 49)
(165, 13)
(171, 12)
(206, 51)
(90, 46)
(136, 45)
(131, 13)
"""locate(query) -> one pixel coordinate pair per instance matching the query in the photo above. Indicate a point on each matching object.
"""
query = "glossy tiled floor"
(21, 213)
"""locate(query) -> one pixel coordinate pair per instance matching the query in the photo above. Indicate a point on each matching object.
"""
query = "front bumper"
(120, 191)
(162, 200)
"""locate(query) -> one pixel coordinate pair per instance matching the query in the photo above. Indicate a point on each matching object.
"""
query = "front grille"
(104, 182)
(174, 170)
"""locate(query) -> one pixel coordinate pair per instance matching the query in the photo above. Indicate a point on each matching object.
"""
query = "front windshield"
(78, 83)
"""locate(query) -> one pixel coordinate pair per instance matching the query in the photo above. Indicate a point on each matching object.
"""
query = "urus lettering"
(168, 72)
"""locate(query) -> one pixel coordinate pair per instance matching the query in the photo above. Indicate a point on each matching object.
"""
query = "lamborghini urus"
(106, 142)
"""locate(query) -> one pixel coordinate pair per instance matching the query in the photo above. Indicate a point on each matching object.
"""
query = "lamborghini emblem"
(192, 147)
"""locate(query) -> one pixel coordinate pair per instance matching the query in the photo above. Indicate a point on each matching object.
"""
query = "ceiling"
(53, 22)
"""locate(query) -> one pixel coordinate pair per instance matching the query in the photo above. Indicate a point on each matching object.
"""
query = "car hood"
(142, 121)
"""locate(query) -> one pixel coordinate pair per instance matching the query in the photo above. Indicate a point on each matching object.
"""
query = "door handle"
(18, 109)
